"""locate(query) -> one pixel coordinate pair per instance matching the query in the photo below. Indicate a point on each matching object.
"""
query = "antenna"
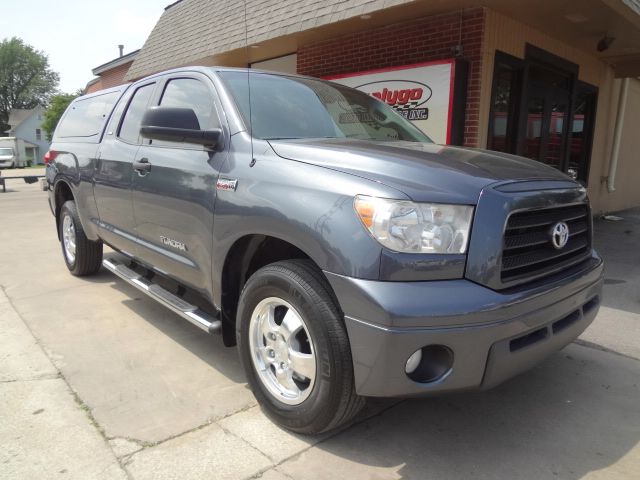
(246, 50)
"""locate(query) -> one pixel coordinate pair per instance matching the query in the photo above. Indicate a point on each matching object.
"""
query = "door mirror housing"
(174, 124)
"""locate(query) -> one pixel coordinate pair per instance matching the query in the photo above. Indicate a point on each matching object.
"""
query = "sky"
(77, 35)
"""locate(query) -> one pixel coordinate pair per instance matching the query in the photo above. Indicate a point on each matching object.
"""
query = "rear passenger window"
(191, 93)
(130, 127)
(86, 116)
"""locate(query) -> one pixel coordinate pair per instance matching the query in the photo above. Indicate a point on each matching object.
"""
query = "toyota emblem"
(560, 235)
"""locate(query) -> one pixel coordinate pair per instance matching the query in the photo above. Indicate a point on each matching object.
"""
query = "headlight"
(410, 227)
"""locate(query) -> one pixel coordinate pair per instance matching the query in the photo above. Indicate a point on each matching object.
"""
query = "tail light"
(50, 156)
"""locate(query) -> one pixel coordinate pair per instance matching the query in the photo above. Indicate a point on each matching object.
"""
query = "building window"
(539, 110)
(38, 134)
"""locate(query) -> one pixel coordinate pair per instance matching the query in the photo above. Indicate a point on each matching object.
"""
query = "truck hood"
(422, 171)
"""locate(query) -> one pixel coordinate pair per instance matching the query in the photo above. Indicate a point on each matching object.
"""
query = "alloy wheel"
(282, 350)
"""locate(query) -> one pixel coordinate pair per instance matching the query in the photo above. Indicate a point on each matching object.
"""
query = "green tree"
(54, 111)
(25, 78)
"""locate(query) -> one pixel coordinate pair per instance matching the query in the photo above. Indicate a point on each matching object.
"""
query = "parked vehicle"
(345, 254)
(10, 148)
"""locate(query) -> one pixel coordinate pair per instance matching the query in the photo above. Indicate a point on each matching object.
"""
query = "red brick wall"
(94, 87)
(110, 78)
(420, 40)
(115, 76)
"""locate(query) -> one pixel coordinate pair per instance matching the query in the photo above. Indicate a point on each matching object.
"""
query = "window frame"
(512, 129)
(123, 115)
(587, 127)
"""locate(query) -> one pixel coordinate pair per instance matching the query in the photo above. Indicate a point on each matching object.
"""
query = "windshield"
(6, 151)
(292, 107)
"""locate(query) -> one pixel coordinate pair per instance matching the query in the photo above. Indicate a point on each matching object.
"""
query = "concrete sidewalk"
(97, 381)
(45, 430)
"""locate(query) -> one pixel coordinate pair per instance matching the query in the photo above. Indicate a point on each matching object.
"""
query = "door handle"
(142, 166)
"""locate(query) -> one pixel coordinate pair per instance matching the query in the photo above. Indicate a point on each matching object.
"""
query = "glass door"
(545, 137)
(539, 110)
(556, 132)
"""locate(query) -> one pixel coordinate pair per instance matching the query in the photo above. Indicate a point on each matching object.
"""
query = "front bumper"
(493, 335)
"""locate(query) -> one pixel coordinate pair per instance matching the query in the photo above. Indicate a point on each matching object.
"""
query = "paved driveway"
(97, 381)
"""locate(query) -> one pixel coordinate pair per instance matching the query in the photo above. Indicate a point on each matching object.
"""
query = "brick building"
(554, 81)
(112, 73)
(421, 40)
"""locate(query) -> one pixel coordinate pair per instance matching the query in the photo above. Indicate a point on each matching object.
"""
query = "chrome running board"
(115, 264)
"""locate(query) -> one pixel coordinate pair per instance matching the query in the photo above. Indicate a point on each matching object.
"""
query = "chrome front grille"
(528, 251)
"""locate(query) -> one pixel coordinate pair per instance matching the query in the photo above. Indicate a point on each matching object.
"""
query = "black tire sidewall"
(272, 283)
(68, 209)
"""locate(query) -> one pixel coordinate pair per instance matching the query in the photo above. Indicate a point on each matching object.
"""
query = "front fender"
(305, 205)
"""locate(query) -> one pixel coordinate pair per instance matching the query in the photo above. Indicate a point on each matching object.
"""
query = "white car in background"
(10, 153)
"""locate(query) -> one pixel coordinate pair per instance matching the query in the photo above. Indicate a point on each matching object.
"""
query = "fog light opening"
(429, 364)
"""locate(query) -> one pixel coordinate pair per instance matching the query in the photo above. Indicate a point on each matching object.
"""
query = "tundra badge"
(170, 242)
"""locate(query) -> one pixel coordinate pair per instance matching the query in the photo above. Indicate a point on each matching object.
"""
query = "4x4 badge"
(226, 184)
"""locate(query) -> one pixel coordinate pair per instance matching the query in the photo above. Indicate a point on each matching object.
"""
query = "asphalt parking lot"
(99, 382)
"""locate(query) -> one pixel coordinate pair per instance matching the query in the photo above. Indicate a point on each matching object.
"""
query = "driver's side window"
(189, 93)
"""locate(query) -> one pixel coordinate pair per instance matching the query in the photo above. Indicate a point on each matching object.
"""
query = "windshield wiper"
(282, 138)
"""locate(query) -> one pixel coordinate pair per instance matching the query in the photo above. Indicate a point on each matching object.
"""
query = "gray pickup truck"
(345, 254)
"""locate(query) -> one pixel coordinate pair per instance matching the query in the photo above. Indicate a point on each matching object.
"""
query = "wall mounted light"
(604, 43)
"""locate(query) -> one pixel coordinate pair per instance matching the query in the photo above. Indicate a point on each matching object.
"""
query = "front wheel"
(294, 348)
(82, 256)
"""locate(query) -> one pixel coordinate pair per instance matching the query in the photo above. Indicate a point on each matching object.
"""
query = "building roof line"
(172, 4)
(17, 116)
(115, 62)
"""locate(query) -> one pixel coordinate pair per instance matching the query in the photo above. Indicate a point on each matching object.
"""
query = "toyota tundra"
(345, 254)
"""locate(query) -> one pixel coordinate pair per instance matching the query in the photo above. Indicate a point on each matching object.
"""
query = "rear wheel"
(82, 256)
(294, 348)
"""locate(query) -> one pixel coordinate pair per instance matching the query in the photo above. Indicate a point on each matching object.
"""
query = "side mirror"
(173, 124)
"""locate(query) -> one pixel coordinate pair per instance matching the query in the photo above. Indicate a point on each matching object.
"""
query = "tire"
(289, 289)
(86, 256)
